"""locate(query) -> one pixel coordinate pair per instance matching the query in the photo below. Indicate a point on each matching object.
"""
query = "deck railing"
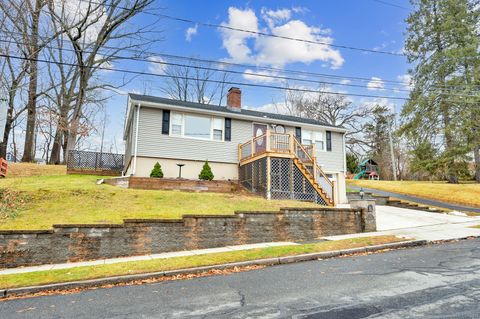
(284, 144)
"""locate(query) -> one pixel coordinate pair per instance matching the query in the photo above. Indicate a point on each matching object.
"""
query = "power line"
(202, 79)
(250, 66)
(213, 81)
(243, 73)
(221, 26)
(392, 4)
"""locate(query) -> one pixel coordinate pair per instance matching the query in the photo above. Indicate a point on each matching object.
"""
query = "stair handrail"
(317, 168)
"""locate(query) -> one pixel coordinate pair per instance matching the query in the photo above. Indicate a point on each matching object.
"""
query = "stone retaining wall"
(69, 243)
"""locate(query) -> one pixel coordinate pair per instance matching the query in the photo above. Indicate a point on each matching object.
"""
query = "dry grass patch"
(463, 194)
(31, 169)
(128, 268)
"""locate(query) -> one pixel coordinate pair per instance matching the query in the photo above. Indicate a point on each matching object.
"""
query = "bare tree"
(97, 32)
(333, 109)
(193, 83)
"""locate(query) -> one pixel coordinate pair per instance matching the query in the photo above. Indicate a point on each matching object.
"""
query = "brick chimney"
(234, 98)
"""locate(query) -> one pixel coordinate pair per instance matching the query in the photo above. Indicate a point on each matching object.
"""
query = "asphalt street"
(438, 281)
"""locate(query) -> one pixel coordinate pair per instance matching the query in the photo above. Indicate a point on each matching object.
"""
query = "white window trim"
(324, 139)
(196, 138)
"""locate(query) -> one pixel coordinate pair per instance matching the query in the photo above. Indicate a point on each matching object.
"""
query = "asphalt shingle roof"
(224, 109)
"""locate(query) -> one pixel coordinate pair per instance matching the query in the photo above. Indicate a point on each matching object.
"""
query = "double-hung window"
(177, 124)
(314, 137)
(197, 126)
(218, 129)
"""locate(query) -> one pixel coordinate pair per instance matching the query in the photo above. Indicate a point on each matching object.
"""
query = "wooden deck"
(275, 145)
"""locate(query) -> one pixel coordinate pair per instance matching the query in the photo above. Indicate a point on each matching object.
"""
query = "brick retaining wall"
(183, 184)
(69, 243)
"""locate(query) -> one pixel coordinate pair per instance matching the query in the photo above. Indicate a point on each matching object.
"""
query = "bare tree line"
(57, 102)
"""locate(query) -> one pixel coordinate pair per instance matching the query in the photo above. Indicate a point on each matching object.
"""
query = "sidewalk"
(20, 270)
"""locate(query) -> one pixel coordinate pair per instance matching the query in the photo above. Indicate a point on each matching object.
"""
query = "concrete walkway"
(396, 221)
(419, 200)
(144, 257)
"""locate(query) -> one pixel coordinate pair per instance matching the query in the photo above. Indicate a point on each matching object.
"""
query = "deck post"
(334, 198)
(269, 178)
(290, 143)
(252, 146)
(267, 142)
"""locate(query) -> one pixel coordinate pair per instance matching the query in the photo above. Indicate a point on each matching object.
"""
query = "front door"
(261, 143)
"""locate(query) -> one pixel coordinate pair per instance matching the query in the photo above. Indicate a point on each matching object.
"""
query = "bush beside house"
(157, 171)
(206, 174)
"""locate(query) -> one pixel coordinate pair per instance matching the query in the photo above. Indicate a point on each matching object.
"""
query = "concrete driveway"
(389, 217)
(419, 225)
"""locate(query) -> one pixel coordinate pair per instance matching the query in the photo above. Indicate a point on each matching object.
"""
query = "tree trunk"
(62, 124)
(57, 147)
(77, 111)
(476, 154)
(29, 151)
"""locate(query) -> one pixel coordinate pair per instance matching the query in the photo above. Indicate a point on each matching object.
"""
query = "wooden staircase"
(308, 175)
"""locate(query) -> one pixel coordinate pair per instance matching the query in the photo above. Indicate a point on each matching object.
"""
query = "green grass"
(462, 194)
(64, 199)
(126, 268)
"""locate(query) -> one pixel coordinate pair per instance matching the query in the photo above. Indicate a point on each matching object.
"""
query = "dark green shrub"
(156, 171)
(206, 173)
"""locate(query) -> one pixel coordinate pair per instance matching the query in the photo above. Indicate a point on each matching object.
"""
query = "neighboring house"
(265, 151)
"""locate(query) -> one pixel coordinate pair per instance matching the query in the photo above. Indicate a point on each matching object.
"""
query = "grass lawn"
(126, 268)
(62, 199)
(462, 194)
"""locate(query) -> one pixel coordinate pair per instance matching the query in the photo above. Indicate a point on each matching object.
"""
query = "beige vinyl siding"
(152, 143)
(332, 161)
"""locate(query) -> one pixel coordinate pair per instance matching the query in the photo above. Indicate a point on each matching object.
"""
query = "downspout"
(344, 155)
(134, 170)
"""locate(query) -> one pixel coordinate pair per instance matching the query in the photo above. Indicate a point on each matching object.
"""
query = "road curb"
(16, 292)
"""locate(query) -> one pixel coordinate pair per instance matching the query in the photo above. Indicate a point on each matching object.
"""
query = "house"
(276, 155)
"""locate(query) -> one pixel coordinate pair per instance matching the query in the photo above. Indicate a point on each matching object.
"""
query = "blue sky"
(366, 24)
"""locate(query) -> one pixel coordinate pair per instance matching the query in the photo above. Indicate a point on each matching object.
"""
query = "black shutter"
(298, 134)
(166, 122)
(228, 129)
(329, 141)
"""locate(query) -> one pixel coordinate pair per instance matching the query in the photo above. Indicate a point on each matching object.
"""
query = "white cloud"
(274, 51)
(278, 108)
(407, 81)
(73, 11)
(235, 42)
(259, 76)
(191, 32)
(376, 84)
(156, 65)
(273, 17)
(345, 81)
(300, 10)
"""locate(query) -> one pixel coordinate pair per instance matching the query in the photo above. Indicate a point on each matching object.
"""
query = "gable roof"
(154, 101)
